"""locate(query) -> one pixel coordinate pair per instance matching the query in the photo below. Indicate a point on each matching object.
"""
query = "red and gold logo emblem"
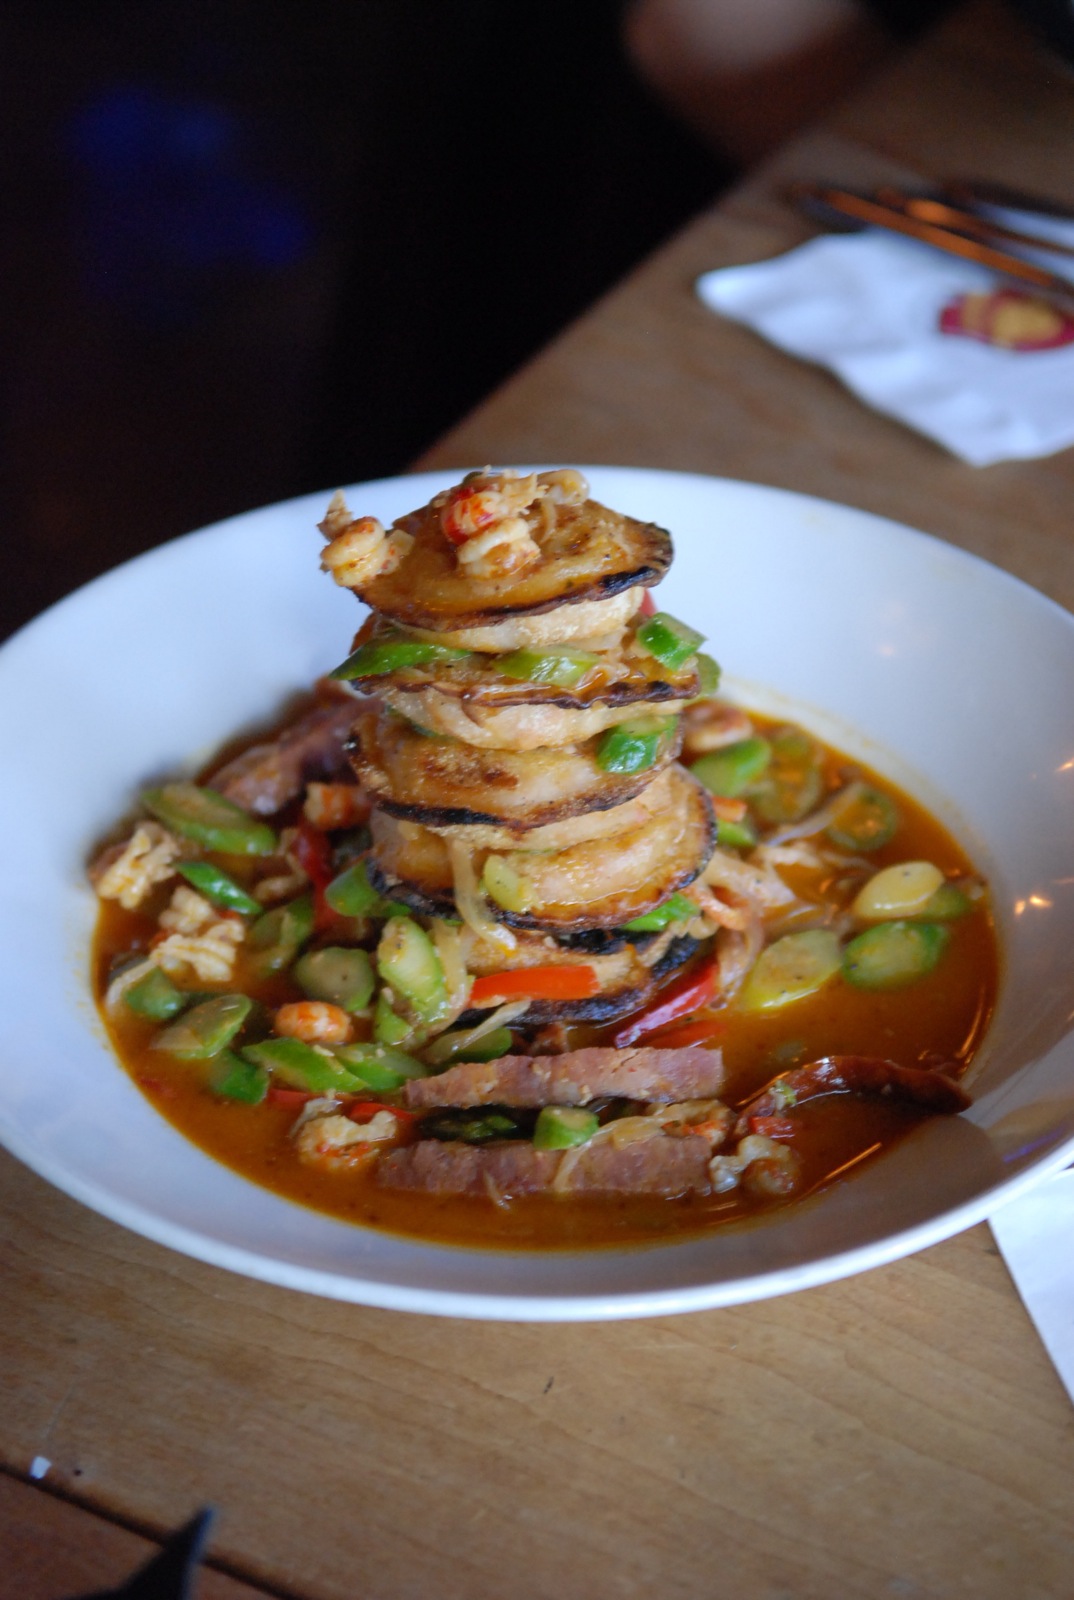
(1011, 319)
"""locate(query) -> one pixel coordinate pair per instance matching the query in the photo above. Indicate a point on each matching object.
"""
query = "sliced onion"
(448, 1045)
(448, 944)
(470, 902)
(819, 819)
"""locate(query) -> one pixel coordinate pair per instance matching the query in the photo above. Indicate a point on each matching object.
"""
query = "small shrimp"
(504, 548)
(315, 1022)
(764, 1168)
(711, 1120)
(359, 549)
(335, 805)
(486, 498)
(335, 1141)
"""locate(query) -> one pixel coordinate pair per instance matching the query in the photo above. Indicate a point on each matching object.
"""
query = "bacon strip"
(662, 1166)
(689, 1073)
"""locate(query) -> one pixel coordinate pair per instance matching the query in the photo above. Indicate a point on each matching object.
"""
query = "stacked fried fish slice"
(520, 735)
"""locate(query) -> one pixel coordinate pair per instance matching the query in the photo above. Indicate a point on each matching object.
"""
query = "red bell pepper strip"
(536, 983)
(648, 605)
(293, 1099)
(681, 998)
(684, 1033)
(364, 1110)
(313, 852)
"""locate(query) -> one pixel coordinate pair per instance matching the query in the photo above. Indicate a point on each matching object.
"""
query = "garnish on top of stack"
(520, 744)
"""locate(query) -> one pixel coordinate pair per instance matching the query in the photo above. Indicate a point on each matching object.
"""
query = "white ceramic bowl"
(944, 673)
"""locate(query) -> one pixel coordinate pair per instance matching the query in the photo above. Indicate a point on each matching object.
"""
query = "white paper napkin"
(1035, 1235)
(868, 305)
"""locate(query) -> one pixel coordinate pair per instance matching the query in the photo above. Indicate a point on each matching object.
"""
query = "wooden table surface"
(899, 1434)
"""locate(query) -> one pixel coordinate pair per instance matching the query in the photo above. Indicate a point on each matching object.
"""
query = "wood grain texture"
(900, 1434)
(52, 1548)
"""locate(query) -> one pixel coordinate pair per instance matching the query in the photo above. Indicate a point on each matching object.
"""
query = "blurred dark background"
(255, 247)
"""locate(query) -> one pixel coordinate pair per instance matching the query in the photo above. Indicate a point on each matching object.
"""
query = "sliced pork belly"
(267, 776)
(442, 782)
(692, 1073)
(665, 1166)
(588, 553)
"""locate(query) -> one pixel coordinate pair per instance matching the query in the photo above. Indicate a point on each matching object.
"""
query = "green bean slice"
(894, 954)
(563, 1127)
(791, 968)
(869, 821)
(670, 641)
(199, 813)
(676, 908)
(730, 771)
(793, 782)
(205, 1029)
(232, 1078)
(278, 936)
(351, 894)
(562, 669)
(379, 1066)
(300, 1066)
(633, 746)
(156, 996)
(218, 887)
(336, 973)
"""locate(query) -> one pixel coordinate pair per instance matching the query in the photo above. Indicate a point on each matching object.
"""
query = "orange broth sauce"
(942, 1015)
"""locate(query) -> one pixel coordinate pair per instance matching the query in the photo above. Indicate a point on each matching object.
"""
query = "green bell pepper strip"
(379, 1066)
(210, 819)
(156, 996)
(669, 640)
(351, 894)
(378, 657)
(218, 887)
(562, 669)
(741, 835)
(731, 770)
(300, 1066)
(232, 1078)
(633, 746)
(675, 909)
(708, 676)
(205, 1029)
